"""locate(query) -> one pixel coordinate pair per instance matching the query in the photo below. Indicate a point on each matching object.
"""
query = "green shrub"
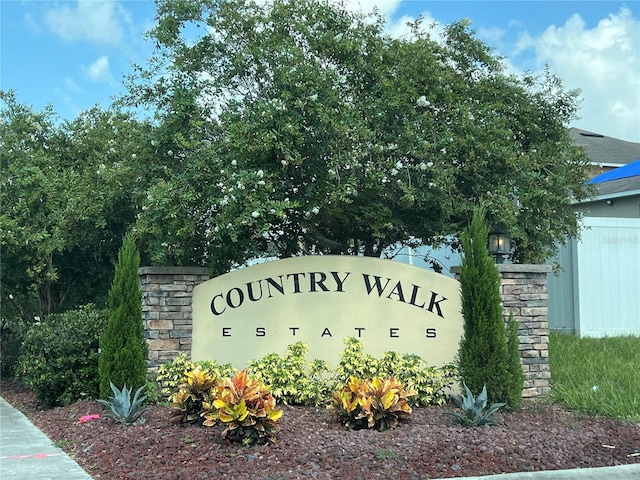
(152, 392)
(123, 349)
(290, 379)
(294, 381)
(19, 310)
(355, 363)
(245, 407)
(320, 384)
(59, 358)
(431, 385)
(483, 355)
(377, 403)
(171, 375)
(12, 334)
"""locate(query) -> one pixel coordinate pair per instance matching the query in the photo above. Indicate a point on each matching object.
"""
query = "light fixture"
(499, 244)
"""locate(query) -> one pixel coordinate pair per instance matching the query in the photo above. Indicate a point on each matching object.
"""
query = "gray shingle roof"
(605, 150)
(629, 184)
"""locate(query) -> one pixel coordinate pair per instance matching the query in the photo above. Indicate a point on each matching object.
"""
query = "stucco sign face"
(321, 300)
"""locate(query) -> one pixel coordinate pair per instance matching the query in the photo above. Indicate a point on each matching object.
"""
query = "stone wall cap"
(173, 271)
(515, 267)
(527, 268)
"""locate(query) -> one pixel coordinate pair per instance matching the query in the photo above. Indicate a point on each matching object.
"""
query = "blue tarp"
(630, 170)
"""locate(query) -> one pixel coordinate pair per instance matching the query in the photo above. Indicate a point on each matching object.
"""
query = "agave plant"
(473, 409)
(122, 408)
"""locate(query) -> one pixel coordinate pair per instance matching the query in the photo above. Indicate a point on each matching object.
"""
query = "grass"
(384, 454)
(596, 376)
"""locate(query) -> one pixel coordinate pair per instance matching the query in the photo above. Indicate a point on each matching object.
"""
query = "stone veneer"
(524, 294)
(166, 310)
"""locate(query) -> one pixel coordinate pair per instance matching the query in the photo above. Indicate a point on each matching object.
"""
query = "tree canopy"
(69, 191)
(297, 127)
(282, 128)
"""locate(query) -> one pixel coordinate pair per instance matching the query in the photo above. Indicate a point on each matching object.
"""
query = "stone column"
(166, 310)
(524, 295)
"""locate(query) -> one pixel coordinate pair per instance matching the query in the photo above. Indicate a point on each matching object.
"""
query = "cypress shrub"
(484, 358)
(516, 375)
(123, 349)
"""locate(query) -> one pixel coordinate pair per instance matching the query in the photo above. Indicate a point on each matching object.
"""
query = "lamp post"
(499, 244)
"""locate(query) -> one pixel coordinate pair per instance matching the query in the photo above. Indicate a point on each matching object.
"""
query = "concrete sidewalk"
(622, 472)
(28, 454)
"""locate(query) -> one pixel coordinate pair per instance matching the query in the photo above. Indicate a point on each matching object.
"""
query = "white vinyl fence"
(598, 292)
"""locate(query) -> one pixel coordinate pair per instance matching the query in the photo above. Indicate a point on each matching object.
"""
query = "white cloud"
(93, 20)
(385, 7)
(99, 71)
(399, 28)
(71, 85)
(31, 23)
(604, 62)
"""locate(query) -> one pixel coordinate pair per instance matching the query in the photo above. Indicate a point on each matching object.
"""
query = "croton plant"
(378, 403)
(246, 407)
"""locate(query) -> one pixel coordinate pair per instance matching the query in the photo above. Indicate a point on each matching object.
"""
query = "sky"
(74, 54)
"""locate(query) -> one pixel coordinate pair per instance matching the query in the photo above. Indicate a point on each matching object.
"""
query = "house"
(597, 291)
(606, 153)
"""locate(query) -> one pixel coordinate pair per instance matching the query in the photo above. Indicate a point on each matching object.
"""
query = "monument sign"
(321, 300)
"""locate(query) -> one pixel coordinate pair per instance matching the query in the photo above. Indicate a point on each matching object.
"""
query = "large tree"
(68, 192)
(31, 199)
(296, 126)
